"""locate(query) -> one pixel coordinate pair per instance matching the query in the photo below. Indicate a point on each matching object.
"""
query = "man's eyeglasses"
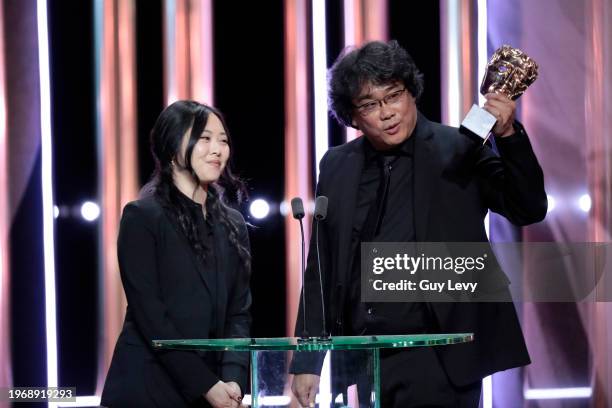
(372, 106)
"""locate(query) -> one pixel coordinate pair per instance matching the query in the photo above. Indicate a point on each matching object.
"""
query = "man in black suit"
(412, 180)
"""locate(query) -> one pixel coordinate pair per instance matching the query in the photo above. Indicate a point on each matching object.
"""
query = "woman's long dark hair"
(166, 138)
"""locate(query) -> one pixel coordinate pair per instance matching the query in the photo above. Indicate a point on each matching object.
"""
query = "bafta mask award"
(509, 72)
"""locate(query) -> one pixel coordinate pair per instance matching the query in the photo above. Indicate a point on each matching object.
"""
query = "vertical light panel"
(487, 382)
(481, 63)
(597, 117)
(176, 71)
(463, 55)
(319, 52)
(450, 61)
(201, 50)
(47, 191)
(598, 127)
(458, 49)
(319, 60)
(5, 346)
(127, 135)
(188, 50)
(170, 68)
(375, 20)
(451, 92)
(117, 158)
(352, 36)
(107, 164)
(364, 20)
(469, 55)
(297, 136)
(482, 45)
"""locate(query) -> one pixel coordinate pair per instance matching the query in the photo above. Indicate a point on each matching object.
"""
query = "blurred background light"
(259, 208)
(284, 208)
(552, 203)
(90, 211)
(584, 202)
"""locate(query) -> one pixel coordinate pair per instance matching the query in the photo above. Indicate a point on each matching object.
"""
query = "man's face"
(388, 125)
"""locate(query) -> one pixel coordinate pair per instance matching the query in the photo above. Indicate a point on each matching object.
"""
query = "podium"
(352, 361)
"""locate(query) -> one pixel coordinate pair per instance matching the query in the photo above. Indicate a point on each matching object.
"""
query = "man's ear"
(354, 124)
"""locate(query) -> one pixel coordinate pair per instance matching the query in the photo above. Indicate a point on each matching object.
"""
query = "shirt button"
(370, 310)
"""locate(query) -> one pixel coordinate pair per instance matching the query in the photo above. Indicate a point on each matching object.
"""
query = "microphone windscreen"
(297, 208)
(320, 211)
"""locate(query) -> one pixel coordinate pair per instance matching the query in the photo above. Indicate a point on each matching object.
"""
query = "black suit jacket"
(169, 297)
(457, 180)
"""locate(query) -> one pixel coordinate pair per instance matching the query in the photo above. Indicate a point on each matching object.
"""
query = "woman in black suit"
(184, 260)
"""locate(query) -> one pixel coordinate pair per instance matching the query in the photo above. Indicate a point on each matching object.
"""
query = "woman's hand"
(223, 395)
(236, 388)
(305, 387)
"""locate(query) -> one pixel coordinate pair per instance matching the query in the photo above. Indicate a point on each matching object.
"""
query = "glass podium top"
(316, 344)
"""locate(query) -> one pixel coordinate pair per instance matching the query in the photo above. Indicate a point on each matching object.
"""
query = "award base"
(479, 121)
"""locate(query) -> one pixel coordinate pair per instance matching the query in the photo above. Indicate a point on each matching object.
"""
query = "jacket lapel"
(427, 170)
(194, 258)
(348, 181)
(222, 258)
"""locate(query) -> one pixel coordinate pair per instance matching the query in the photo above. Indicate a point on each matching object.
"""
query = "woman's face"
(211, 152)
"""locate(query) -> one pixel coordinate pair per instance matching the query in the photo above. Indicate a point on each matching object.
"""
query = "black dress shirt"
(205, 230)
(395, 224)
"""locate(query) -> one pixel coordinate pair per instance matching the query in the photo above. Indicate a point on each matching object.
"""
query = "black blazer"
(169, 297)
(456, 181)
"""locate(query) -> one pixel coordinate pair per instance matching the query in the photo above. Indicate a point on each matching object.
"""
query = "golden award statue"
(509, 72)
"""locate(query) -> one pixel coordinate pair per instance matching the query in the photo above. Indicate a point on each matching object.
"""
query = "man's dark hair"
(376, 62)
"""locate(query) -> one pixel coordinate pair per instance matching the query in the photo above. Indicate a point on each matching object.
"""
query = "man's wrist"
(511, 131)
(508, 132)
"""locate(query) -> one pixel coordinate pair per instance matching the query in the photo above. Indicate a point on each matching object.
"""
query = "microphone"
(297, 209)
(320, 213)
